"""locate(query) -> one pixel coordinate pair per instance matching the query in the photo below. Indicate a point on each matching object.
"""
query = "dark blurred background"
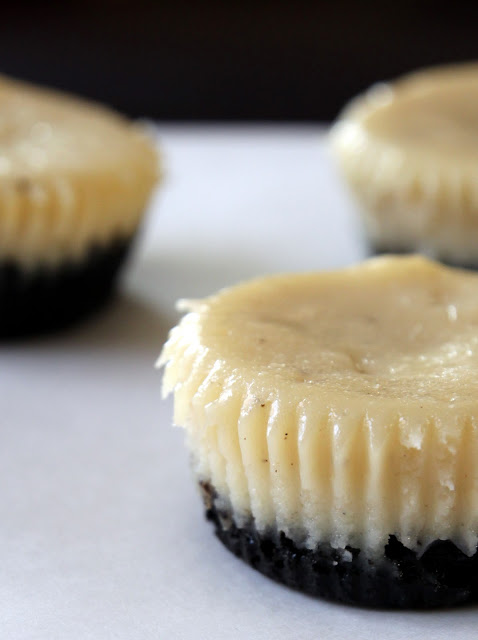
(233, 60)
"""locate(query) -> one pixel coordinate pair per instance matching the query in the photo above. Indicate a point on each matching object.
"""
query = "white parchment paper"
(101, 530)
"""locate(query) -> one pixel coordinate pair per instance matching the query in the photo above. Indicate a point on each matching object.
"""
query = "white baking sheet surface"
(101, 528)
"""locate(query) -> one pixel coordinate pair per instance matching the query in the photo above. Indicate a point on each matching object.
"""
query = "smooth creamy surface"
(72, 174)
(338, 406)
(410, 153)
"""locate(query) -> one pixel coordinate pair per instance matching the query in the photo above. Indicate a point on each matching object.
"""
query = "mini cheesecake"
(333, 424)
(75, 179)
(409, 152)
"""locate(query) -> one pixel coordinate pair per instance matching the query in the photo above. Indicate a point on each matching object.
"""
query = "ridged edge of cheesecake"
(349, 473)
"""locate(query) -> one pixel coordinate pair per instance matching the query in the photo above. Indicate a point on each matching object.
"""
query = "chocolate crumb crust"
(442, 576)
(46, 298)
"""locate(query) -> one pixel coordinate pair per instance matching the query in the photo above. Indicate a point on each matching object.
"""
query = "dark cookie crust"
(442, 576)
(46, 299)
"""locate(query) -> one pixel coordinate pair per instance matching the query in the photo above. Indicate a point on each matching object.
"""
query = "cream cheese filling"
(409, 151)
(72, 175)
(339, 407)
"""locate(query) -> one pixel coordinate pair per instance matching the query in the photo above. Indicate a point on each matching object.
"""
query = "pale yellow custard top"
(433, 111)
(409, 152)
(72, 174)
(338, 406)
